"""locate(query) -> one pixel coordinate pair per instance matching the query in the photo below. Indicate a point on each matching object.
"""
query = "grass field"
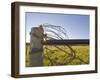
(27, 55)
(62, 55)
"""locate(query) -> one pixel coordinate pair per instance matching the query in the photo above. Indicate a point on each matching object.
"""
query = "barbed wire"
(58, 33)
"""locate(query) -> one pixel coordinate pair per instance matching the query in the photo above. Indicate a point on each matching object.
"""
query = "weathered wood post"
(36, 48)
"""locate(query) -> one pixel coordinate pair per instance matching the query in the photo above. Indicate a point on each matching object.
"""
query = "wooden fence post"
(36, 48)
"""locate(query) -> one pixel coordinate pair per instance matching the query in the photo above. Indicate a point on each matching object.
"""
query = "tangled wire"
(53, 32)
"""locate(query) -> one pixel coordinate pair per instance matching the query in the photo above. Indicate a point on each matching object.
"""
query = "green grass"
(27, 55)
(54, 56)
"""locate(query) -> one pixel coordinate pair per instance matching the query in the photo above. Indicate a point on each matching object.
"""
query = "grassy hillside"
(62, 55)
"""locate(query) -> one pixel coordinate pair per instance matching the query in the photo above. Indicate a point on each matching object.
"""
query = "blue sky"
(77, 26)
